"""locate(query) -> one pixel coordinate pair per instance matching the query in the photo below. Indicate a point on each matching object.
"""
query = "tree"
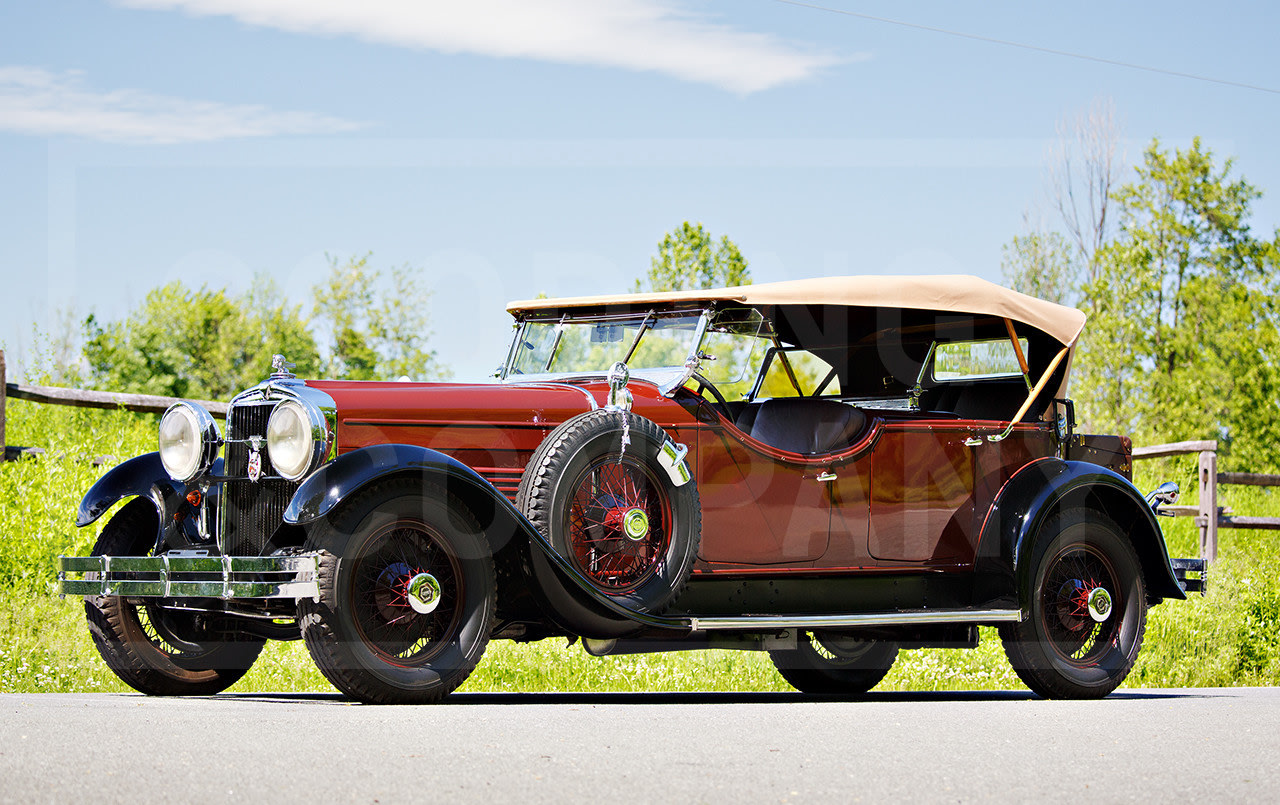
(1041, 263)
(1081, 175)
(375, 331)
(1183, 340)
(688, 258)
(198, 344)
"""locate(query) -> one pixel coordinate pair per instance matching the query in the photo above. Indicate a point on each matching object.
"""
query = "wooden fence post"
(1207, 517)
(2, 405)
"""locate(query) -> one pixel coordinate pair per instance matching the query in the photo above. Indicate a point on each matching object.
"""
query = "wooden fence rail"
(52, 395)
(1209, 516)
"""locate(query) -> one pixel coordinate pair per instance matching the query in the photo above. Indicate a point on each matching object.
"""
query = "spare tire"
(612, 511)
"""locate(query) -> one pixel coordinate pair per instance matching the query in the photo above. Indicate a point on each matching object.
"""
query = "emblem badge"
(255, 465)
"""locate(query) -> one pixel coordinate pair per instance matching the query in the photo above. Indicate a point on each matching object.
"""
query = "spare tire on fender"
(614, 512)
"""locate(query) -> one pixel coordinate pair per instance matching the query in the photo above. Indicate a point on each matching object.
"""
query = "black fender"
(1005, 562)
(327, 487)
(143, 476)
(1004, 565)
(567, 597)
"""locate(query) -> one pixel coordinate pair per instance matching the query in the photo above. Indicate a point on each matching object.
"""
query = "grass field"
(1229, 637)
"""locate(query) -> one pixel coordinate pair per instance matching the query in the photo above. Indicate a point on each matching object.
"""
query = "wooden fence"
(52, 395)
(1209, 515)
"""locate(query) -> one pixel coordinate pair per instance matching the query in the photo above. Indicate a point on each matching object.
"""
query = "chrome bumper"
(191, 576)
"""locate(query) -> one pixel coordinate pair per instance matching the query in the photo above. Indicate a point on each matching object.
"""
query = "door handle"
(826, 477)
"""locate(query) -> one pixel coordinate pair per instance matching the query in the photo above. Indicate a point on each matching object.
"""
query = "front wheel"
(407, 595)
(830, 663)
(154, 650)
(1087, 610)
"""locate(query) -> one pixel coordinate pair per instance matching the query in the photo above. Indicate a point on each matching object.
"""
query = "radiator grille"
(253, 510)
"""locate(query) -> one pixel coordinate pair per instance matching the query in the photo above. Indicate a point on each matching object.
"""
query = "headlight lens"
(291, 439)
(188, 441)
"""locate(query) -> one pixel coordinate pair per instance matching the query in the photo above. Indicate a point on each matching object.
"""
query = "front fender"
(566, 595)
(328, 486)
(1004, 571)
(143, 475)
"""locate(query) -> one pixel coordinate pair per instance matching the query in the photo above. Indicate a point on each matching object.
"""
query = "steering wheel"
(721, 404)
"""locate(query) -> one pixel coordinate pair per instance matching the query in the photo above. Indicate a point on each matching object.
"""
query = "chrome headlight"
(189, 441)
(296, 438)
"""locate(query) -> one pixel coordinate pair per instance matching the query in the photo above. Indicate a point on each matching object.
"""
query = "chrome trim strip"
(910, 618)
(292, 577)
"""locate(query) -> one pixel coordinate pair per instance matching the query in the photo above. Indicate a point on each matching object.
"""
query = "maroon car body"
(828, 470)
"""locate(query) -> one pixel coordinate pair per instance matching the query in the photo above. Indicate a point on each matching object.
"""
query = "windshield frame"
(663, 376)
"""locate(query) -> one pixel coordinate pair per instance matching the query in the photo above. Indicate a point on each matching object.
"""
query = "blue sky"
(506, 148)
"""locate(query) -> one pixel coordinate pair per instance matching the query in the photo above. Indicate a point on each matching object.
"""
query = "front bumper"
(191, 576)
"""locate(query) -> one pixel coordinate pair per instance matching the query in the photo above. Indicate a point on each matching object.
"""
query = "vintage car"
(829, 470)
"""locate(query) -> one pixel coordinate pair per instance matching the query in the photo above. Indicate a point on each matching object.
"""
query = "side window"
(977, 360)
(797, 373)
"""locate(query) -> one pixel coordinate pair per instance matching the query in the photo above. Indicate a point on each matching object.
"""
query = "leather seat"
(806, 425)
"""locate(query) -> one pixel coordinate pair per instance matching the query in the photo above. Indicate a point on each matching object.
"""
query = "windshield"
(592, 345)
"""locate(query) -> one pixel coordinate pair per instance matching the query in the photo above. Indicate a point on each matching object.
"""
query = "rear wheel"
(823, 662)
(1088, 610)
(158, 651)
(407, 595)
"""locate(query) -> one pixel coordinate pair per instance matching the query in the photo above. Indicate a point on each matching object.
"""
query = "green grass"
(1229, 637)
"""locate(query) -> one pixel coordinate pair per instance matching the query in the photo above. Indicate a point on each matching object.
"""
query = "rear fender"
(1004, 567)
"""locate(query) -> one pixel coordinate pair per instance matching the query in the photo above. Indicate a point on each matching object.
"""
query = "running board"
(190, 575)
(904, 618)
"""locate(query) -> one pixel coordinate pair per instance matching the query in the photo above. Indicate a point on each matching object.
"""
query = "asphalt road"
(1159, 746)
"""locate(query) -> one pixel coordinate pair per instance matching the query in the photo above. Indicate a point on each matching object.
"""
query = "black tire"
(154, 650)
(363, 633)
(830, 663)
(1062, 651)
(581, 488)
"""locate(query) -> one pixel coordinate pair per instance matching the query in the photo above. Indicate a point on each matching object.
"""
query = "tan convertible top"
(956, 293)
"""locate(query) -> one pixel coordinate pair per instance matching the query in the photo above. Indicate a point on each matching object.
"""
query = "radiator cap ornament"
(281, 367)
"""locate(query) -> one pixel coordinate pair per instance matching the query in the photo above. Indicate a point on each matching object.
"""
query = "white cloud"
(35, 101)
(632, 34)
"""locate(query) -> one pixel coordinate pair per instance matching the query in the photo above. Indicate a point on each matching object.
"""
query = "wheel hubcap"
(1099, 604)
(423, 592)
(635, 524)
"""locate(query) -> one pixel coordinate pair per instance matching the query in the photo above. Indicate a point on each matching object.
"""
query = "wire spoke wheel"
(1087, 609)
(616, 517)
(1073, 576)
(407, 594)
(152, 648)
(380, 596)
(618, 523)
(833, 663)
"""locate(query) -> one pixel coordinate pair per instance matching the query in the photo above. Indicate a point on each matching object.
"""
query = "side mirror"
(1065, 419)
(1166, 494)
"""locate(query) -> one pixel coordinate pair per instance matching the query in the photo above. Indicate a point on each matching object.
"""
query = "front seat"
(806, 425)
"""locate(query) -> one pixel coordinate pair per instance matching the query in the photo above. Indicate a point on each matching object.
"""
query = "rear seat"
(803, 424)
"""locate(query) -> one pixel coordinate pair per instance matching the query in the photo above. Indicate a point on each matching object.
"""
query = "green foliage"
(1041, 264)
(376, 331)
(689, 258)
(198, 344)
(1183, 341)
